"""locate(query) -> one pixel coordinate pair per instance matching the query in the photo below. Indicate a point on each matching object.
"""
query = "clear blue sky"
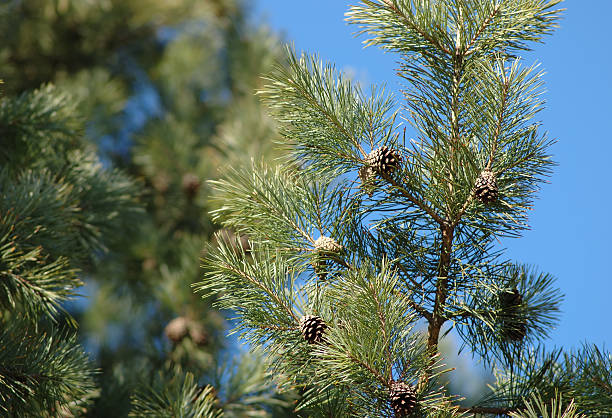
(571, 219)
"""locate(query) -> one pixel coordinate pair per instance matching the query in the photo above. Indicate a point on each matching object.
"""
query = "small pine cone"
(327, 245)
(485, 187)
(510, 300)
(198, 334)
(191, 185)
(237, 243)
(177, 329)
(161, 182)
(313, 328)
(320, 267)
(383, 160)
(149, 264)
(514, 327)
(515, 330)
(403, 398)
(368, 179)
(325, 248)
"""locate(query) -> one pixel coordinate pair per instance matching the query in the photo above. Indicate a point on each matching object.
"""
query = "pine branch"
(176, 396)
(265, 282)
(244, 386)
(412, 25)
(485, 333)
(537, 407)
(510, 25)
(40, 373)
(397, 25)
(38, 127)
(582, 375)
(267, 203)
(485, 24)
(438, 318)
(325, 117)
(33, 285)
(485, 410)
(374, 325)
(417, 202)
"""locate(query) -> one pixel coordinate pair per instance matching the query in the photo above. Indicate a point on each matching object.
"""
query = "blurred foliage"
(165, 89)
(59, 211)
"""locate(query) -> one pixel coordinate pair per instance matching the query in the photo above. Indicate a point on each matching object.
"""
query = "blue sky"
(571, 221)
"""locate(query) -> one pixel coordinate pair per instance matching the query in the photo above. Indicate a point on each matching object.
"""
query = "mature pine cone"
(485, 187)
(383, 161)
(514, 326)
(516, 330)
(312, 328)
(403, 398)
(177, 329)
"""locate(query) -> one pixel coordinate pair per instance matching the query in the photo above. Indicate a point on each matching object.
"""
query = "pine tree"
(59, 208)
(417, 221)
(166, 89)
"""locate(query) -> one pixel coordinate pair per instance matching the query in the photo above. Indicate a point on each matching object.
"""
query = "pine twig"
(481, 29)
(486, 410)
(416, 28)
(419, 203)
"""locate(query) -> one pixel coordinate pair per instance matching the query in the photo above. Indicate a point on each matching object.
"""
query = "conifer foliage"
(417, 220)
(165, 90)
(49, 230)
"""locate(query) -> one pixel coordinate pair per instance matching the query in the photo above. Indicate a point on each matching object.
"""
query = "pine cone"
(149, 264)
(191, 185)
(327, 245)
(161, 182)
(403, 398)
(177, 329)
(515, 331)
(510, 300)
(485, 187)
(368, 179)
(383, 160)
(313, 328)
(514, 326)
(198, 334)
(237, 243)
(325, 248)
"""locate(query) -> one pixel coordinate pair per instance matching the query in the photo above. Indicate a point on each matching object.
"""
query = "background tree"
(166, 90)
(50, 233)
(363, 231)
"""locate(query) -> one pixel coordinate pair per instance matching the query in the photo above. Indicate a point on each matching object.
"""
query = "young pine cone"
(514, 325)
(177, 329)
(325, 248)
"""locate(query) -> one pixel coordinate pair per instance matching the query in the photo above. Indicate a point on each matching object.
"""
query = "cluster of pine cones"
(381, 163)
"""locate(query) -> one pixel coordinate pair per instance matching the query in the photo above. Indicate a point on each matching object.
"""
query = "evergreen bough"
(418, 242)
(59, 208)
